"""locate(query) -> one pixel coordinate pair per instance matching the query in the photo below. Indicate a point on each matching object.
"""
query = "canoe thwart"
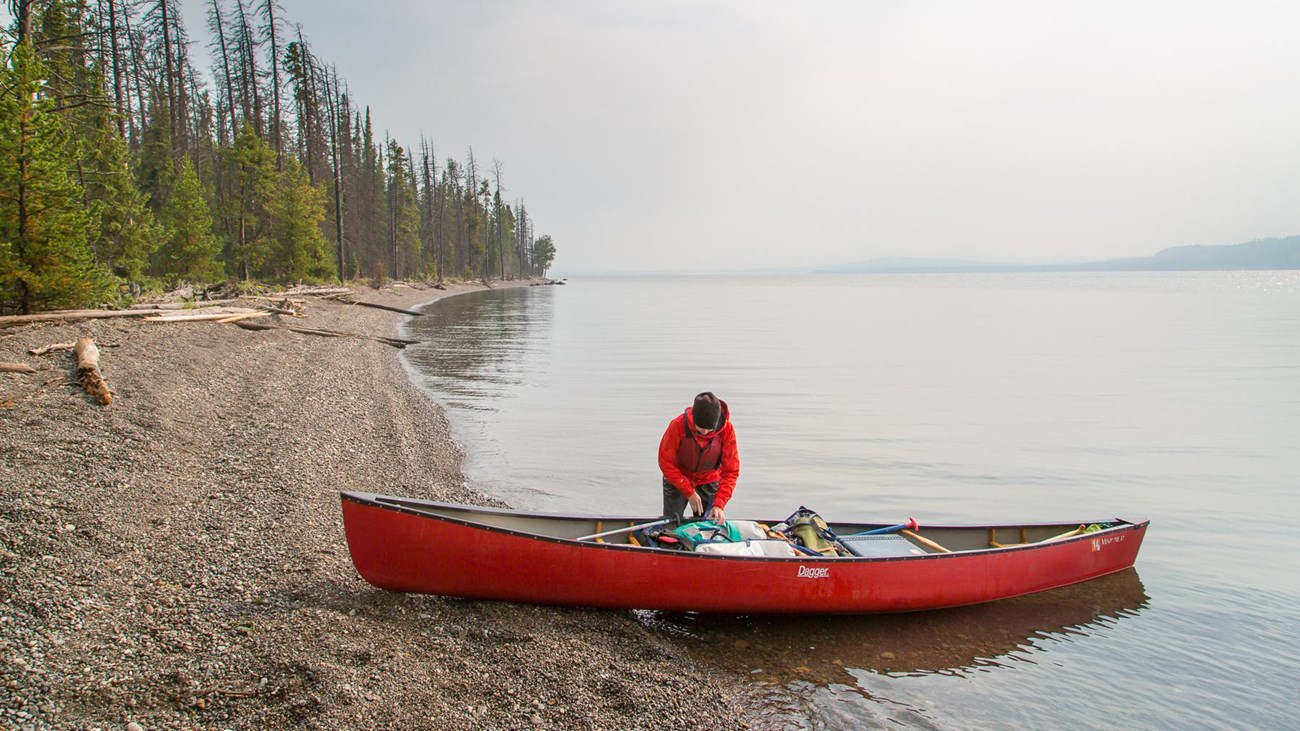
(993, 538)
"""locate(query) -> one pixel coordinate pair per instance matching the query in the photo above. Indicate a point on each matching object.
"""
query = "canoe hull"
(411, 551)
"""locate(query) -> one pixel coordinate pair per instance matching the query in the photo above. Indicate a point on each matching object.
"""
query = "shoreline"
(176, 559)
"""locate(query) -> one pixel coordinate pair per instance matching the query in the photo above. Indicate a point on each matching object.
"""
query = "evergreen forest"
(124, 170)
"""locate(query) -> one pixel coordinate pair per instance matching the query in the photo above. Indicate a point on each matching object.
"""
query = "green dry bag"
(704, 531)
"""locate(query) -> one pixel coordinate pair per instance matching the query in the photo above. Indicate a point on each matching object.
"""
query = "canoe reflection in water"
(822, 650)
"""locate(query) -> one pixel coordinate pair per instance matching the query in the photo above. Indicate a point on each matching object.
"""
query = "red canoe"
(426, 547)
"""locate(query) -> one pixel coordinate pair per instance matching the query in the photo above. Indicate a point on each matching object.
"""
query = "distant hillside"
(1283, 253)
(1261, 254)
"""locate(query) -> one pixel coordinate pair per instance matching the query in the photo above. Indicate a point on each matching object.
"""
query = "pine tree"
(403, 216)
(297, 208)
(250, 171)
(132, 109)
(45, 224)
(191, 251)
(128, 233)
(371, 210)
(155, 173)
(543, 254)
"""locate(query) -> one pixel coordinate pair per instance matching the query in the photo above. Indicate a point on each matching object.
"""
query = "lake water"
(947, 398)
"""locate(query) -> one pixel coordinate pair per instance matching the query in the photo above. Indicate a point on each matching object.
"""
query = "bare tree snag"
(88, 371)
(16, 368)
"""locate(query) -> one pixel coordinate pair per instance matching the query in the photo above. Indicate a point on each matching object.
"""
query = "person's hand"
(697, 505)
(716, 515)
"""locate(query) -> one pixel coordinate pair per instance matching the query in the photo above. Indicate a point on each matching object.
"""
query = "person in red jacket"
(699, 460)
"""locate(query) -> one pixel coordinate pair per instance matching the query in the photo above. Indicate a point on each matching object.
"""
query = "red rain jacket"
(680, 463)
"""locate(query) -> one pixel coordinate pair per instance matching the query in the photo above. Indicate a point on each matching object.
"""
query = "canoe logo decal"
(806, 572)
(1097, 543)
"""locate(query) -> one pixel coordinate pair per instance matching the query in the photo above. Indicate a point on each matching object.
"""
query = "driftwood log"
(223, 313)
(395, 342)
(66, 315)
(183, 305)
(16, 368)
(71, 315)
(317, 291)
(380, 307)
(52, 347)
(280, 310)
(244, 316)
(88, 371)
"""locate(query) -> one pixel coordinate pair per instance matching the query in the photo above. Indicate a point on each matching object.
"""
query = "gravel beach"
(176, 559)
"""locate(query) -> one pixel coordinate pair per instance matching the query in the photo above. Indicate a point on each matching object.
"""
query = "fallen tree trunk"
(88, 371)
(395, 342)
(16, 368)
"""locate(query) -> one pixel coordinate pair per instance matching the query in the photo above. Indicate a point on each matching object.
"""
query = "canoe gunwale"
(403, 505)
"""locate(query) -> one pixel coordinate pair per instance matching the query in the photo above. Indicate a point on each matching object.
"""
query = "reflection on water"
(470, 346)
(824, 650)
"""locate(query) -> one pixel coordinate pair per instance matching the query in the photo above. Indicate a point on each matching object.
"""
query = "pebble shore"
(176, 559)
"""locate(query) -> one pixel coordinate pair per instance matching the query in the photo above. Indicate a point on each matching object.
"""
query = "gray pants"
(675, 502)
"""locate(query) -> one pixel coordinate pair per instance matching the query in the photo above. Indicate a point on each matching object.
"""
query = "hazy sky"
(696, 134)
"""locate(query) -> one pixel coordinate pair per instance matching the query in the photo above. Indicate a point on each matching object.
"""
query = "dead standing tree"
(269, 8)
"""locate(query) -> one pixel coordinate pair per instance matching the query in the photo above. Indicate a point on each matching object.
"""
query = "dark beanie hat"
(707, 411)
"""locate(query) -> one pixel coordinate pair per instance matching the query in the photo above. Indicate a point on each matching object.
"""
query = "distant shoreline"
(1277, 254)
(1261, 255)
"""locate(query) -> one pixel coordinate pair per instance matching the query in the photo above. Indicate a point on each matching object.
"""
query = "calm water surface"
(959, 398)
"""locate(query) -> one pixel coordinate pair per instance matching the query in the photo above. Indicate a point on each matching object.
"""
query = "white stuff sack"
(748, 529)
(748, 547)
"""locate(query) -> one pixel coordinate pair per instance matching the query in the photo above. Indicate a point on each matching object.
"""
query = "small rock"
(133, 726)
(886, 656)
